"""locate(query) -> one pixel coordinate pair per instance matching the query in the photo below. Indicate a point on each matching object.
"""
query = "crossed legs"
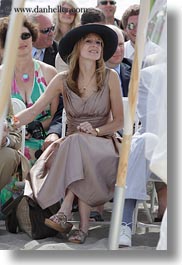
(59, 220)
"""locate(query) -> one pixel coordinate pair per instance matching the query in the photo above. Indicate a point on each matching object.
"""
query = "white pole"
(9, 58)
(119, 195)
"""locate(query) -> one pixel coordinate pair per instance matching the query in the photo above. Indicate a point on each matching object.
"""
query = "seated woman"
(31, 78)
(64, 21)
(84, 163)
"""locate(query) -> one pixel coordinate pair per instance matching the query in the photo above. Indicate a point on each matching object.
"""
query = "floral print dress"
(38, 88)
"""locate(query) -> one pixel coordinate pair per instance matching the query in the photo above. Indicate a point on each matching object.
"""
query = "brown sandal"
(78, 237)
(59, 223)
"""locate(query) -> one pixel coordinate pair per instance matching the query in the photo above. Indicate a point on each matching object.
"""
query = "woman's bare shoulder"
(47, 67)
(61, 76)
(63, 73)
(112, 72)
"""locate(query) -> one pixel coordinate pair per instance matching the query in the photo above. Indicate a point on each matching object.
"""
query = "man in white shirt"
(130, 23)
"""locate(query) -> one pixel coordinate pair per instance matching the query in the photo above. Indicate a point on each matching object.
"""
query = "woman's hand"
(86, 127)
(49, 140)
(16, 122)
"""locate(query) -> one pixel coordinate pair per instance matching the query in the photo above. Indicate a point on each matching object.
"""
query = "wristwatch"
(97, 131)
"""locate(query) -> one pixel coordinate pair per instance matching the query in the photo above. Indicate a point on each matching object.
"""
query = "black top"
(125, 72)
(50, 54)
(56, 123)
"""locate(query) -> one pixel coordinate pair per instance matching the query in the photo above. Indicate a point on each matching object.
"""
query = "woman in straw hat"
(84, 163)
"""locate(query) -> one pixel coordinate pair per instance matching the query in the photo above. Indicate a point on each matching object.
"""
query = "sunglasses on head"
(104, 3)
(131, 26)
(25, 35)
(47, 30)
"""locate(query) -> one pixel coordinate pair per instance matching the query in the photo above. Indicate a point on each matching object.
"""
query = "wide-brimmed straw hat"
(108, 36)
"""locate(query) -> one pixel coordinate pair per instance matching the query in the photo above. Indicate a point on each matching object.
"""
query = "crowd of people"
(82, 63)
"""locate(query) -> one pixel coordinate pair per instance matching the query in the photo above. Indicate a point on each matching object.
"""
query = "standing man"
(120, 64)
(44, 48)
(109, 9)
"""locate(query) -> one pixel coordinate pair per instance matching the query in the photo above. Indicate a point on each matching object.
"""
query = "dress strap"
(39, 77)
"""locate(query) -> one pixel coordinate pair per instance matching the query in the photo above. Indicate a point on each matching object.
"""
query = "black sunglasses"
(25, 35)
(47, 30)
(104, 3)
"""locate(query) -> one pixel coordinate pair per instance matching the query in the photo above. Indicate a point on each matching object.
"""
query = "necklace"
(84, 88)
(25, 77)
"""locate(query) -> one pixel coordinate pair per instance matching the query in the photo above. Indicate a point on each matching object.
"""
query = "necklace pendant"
(25, 77)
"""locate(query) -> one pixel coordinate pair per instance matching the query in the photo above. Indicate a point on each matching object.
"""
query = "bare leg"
(84, 211)
(99, 209)
(66, 206)
(58, 221)
(79, 236)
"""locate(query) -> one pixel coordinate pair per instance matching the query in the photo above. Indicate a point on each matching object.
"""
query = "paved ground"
(145, 238)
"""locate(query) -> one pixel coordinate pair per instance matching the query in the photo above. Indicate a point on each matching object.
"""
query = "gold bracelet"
(97, 131)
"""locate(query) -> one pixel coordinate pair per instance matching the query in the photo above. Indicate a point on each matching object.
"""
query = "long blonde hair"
(57, 22)
(73, 61)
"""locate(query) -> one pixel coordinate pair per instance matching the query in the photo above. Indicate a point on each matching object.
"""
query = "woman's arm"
(53, 90)
(49, 72)
(53, 108)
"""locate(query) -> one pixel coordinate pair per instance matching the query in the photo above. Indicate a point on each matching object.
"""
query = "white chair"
(18, 105)
(63, 133)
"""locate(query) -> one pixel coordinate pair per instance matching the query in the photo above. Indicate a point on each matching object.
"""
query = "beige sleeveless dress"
(83, 163)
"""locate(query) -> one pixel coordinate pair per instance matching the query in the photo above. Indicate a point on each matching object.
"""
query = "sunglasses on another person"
(47, 30)
(131, 26)
(104, 3)
(25, 35)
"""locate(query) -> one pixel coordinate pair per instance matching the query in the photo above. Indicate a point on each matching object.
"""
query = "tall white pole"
(119, 195)
(9, 58)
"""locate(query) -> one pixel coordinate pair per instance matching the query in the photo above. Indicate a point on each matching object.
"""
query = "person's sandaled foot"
(59, 223)
(78, 237)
